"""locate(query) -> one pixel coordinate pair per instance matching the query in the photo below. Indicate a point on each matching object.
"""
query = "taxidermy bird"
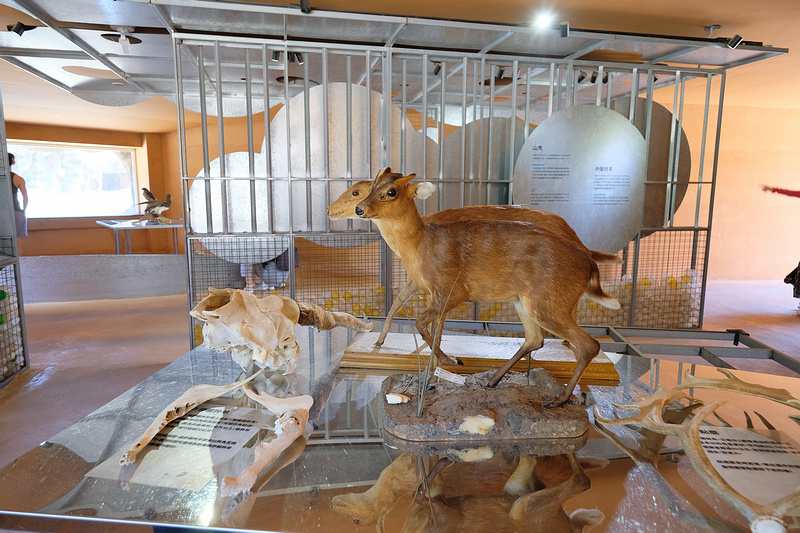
(155, 207)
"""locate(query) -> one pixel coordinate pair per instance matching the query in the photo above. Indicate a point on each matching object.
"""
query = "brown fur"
(461, 497)
(543, 274)
(538, 509)
(345, 205)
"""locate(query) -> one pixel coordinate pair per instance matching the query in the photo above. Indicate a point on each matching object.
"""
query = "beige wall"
(752, 235)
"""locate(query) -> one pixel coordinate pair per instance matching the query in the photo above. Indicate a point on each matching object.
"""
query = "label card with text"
(189, 451)
(758, 467)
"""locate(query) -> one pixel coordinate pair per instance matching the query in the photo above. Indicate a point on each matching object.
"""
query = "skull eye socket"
(391, 193)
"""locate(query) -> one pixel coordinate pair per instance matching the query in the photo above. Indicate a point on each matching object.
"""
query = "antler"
(734, 384)
(648, 450)
(761, 517)
(650, 406)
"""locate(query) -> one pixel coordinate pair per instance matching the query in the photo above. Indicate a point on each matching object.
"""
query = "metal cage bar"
(312, 152)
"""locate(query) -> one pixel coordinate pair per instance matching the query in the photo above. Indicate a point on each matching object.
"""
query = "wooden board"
(479, 353)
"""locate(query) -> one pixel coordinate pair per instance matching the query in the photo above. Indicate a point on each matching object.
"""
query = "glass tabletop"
(345, 473)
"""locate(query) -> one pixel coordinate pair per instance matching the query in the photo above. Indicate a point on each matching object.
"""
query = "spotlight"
(305, 6)
(19, 28)
(544, 20)
(299, 58)
(437, 67)
(594, 77)
(290, 56)
(276, 56)
(564, 28)
(734, 41)
(500, 72)
(581, 76)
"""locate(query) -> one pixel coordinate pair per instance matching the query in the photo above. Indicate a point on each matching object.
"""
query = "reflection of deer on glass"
(524, 494)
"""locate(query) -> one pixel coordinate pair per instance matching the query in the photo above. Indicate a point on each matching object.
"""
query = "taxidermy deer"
(488, 261)
(345, 205)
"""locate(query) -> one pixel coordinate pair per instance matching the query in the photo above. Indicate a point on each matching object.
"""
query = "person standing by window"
(793, 277)
(18, 188)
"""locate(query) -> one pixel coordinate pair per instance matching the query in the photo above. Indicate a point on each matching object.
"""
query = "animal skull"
(255, 330)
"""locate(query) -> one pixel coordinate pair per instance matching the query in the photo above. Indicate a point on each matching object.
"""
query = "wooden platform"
(479, 353)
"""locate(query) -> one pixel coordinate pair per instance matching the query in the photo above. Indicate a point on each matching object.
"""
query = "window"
(76, 181)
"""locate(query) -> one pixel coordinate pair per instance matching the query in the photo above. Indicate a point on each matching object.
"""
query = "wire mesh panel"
(342, 273)
(12, 353)
(465, 121)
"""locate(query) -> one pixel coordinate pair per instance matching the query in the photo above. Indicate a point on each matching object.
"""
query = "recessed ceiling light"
(115, 37)
(544, 20)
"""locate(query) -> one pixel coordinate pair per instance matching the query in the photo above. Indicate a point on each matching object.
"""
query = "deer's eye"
(356, 193)
(391, 193)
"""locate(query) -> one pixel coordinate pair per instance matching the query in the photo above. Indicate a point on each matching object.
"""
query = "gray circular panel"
(657, 195)
(588, 165)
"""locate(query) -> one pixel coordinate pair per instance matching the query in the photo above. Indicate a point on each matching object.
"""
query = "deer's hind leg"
(534, 339)
(581, 343)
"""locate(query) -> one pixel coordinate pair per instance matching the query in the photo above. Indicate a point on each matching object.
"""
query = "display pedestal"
(479, 353)
(511, 415)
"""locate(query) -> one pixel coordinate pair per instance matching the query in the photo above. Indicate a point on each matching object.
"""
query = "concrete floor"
(84, 354)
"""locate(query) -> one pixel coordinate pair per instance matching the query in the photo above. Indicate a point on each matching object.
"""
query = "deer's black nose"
(359, 211)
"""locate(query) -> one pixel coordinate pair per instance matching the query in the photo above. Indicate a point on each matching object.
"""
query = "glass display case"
(346, 474)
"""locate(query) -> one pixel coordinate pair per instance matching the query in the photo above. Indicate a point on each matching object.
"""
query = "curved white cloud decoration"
(479, 163)
(240, 206)
(365, 152)
(288, 157)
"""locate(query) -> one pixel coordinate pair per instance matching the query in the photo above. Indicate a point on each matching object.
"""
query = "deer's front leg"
(435, 316)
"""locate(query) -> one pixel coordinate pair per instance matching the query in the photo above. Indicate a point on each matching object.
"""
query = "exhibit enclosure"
(587, 125)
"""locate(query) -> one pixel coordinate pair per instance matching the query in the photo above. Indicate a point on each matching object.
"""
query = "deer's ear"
(402, 180)
(424, 189)
(384, 170)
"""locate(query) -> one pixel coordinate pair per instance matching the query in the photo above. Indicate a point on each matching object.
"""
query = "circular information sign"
(588, 165)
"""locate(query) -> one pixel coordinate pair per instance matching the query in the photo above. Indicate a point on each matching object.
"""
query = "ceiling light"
(19, 28)
(299, 58)
(116, 37)
(544, 20)
(276, 56)
(437, 67)
(581, 76)
(500, 72)
(564, 28)
(734, 41)
(305, 6)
